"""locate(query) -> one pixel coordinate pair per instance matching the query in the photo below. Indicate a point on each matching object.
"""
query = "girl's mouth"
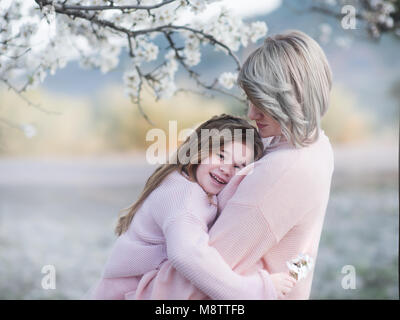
(217, 179)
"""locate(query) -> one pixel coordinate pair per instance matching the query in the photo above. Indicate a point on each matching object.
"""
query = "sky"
(250, 9)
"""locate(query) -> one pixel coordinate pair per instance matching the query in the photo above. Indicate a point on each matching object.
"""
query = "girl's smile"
(214, 172)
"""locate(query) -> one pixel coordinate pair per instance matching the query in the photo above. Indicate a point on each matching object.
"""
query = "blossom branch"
(195, 75)
(109, 7)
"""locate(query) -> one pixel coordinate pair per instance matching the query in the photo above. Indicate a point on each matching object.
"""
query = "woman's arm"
(189, 252)
(252, 222)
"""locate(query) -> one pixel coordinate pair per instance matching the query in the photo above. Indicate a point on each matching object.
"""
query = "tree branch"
(92, 18)
(109, 7)
(18, 92)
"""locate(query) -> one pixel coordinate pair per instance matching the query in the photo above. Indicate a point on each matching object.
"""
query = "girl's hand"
(283, 282)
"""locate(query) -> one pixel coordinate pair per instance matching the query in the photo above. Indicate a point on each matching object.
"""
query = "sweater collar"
(278, 142)
(272, 143)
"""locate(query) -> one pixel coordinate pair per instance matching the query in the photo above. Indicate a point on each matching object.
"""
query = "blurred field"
(110, 123)
(62, 212)
(61, 190)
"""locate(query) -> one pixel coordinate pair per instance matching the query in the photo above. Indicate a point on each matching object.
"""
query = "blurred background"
(64, 176)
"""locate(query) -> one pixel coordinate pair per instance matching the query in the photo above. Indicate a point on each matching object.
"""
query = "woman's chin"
(265, 133)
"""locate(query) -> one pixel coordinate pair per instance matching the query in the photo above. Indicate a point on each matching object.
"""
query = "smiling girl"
(179, 202)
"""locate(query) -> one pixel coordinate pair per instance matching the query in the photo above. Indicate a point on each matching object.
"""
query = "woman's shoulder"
(286, 155)
(288, 165)
(277, 161)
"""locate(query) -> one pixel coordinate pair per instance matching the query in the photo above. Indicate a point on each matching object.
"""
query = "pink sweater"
(173, 224)
(267, 218)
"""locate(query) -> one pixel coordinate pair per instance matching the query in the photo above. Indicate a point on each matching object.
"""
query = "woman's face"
(267, 125)
(214, 172)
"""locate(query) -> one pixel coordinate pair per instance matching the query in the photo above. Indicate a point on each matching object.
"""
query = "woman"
(277, 211)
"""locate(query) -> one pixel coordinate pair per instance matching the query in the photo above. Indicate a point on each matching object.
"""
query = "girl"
(179, 202)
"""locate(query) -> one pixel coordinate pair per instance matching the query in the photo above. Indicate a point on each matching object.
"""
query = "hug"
(225, 224)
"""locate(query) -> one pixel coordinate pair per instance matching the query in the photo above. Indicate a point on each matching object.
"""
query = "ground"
(62, 212)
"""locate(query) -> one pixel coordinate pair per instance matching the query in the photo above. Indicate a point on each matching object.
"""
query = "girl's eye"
(221, 156)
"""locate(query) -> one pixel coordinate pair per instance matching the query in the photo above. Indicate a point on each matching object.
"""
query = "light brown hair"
(221, 123)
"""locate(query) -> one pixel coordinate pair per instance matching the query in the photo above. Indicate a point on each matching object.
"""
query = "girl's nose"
(227, 169)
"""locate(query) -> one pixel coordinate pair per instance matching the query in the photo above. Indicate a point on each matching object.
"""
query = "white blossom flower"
(28, 29)
(49, 12)
(165, 15)
(132, 82)
(37, 77)
(192, 57)
(29, 130)
(257, 30)
(344, 42)
(389, 22)
(300, 266)
(146, 51)
(227, 79)
(325, 32)
(166, 89)
(388, 8)
(170, 55)
(197, 6)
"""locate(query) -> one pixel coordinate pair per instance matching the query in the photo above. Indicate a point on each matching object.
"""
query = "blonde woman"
(173, 213)
(271, 215)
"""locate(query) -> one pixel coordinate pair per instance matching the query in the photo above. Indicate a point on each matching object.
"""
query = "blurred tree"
(38, 37)
(41, 36)
(377, 16)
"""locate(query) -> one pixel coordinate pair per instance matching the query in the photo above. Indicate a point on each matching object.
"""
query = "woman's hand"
(283, 283)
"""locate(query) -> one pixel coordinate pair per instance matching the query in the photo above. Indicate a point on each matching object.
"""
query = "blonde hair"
(202, 148)
(289, 78)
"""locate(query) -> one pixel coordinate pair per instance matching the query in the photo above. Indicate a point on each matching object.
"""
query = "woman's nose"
(253, 113)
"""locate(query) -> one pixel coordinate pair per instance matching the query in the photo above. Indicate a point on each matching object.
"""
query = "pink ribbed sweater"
(173, 224)
(267, 217)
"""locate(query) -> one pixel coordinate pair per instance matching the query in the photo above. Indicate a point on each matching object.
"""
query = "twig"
(37, 106)
(110, 7)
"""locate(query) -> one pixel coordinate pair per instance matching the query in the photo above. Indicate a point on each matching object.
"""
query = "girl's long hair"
(192, 150)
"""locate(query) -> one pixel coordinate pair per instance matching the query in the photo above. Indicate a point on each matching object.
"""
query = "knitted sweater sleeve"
(266, 205)
(190, 253)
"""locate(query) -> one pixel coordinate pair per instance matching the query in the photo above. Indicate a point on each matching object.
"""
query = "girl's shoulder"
(177, 195)
(176, 185)
(180, 183)
(190, 193)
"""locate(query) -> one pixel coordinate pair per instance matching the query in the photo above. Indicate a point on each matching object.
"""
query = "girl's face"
(267, 125)
(214, 172)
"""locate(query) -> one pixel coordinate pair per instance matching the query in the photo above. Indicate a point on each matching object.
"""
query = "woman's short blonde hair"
(289, 78)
